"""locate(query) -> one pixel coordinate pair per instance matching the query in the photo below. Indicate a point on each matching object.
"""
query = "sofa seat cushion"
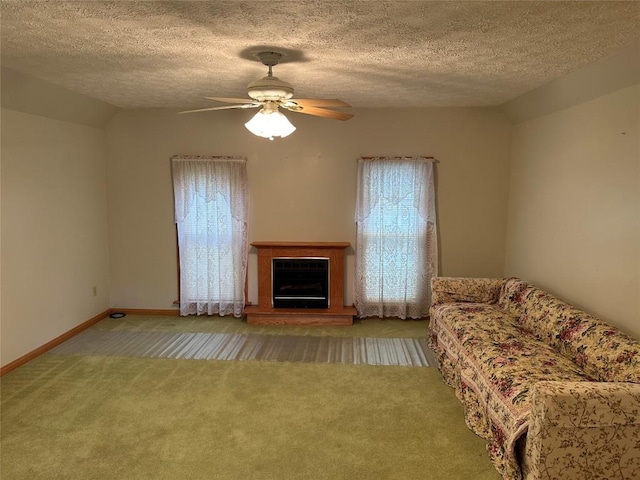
(473, 323)
(504, 373)
(497, 362)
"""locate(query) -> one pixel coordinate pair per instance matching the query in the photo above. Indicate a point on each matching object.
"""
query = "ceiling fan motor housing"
(270, 88)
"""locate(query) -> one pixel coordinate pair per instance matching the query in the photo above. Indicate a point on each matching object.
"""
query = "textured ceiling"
(368, 53)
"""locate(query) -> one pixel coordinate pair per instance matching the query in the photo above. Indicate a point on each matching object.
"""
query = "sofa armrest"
(583, 430)
(462, 289)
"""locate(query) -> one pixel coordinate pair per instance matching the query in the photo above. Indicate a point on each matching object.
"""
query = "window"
(210, 212)
(396, 237)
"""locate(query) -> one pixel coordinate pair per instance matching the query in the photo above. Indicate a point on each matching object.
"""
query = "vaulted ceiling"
(368, 53)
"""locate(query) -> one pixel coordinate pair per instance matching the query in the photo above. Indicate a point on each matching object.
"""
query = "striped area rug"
(412, 352)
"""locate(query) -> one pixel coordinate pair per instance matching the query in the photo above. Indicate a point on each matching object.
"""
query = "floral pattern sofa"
(553, 390)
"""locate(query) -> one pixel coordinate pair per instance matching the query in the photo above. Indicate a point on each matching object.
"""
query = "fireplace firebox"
(301, 282)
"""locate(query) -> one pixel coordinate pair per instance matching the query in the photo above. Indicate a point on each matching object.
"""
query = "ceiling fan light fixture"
(270, 123)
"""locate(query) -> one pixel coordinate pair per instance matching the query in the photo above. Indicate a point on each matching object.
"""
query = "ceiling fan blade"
(246, 105)
(230, 100)
(319, 102)
(319, 112)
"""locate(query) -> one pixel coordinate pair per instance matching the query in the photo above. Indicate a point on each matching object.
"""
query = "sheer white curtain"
(211, 204)
(396, 237)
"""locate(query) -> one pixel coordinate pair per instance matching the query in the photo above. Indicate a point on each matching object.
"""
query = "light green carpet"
(369, 327)
(93, 417)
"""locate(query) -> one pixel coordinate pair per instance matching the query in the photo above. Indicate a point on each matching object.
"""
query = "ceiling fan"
(271, 94)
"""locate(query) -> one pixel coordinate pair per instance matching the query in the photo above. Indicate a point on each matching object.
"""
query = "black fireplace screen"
(300, 282)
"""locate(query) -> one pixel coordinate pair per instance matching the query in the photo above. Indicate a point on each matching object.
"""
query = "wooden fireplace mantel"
(318, 245)
(265, 314)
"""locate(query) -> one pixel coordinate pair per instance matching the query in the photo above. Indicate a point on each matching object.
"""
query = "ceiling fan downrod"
(270, 87)
(270, 59)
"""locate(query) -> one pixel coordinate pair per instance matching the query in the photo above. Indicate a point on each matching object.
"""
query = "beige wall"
(613, 72)
(302, 187)
(573, 219)
(574, 206)
(54, 229)
(27, 94)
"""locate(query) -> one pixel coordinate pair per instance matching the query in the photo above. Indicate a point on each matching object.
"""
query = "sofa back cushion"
(602, 351)
(603, 348)
(465, 290)
(513, 295)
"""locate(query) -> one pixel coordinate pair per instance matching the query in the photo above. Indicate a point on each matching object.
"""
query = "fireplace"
(300, 282)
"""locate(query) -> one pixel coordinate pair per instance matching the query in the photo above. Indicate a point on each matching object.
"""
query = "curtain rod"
(208, 157)
(432, 159)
